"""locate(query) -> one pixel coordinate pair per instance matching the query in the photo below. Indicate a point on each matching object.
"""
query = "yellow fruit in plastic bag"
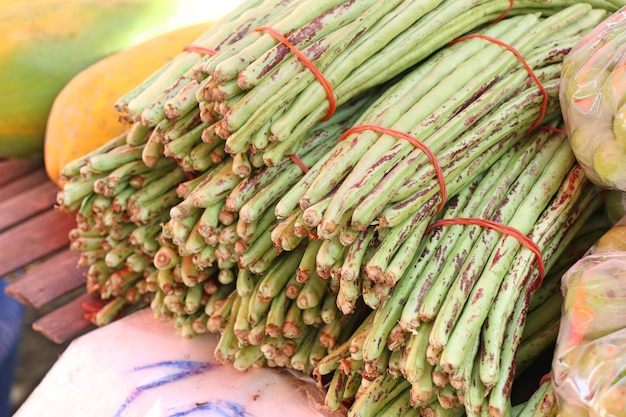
(592, 97)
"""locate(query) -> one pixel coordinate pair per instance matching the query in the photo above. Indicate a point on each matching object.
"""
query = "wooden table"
(34, 250)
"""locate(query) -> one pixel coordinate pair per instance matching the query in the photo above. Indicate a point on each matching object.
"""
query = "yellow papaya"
(45, 43)
(82, 116)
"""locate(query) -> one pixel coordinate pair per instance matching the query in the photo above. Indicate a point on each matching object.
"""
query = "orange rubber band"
(298, 162)
(332, 104)
(502, 228)
(544, 93)
(413, 141)
(504, 13)
(199, 49)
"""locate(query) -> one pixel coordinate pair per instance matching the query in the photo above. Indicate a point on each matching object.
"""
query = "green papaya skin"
(46, 42)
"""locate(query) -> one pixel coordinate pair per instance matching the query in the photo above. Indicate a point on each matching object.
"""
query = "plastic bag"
(589, 363)
(593, 102)
(615, 205)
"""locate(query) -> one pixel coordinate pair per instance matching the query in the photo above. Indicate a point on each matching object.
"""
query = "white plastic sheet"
(138, 366)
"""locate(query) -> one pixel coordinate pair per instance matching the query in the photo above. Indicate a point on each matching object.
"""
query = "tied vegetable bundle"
(242, 202)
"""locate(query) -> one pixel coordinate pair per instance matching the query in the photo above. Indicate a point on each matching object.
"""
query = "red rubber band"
(544, 93)
(299, 162)
(552, 129)
(332, 104)
(502, 228)
(90, 308)
(572, 251)
(547, 377)
(199, 49)
(413, 141)
(504, 13)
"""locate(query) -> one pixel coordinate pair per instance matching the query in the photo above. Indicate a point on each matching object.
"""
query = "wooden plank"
(23, 184)
(12, 169)
(34, 239)
(67, 321)
(49, 280)
(27, 204)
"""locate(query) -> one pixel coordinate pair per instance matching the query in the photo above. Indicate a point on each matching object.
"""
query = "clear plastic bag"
(589, 364)
(593, 101)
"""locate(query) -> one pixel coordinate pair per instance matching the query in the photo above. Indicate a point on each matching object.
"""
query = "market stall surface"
(33, 240)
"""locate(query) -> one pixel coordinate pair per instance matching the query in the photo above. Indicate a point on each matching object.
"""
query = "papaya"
(83, 117)
(45, 43)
